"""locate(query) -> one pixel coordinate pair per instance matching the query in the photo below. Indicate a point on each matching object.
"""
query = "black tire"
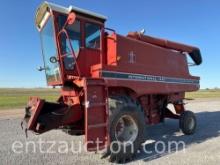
(125, 107)
(187, 122)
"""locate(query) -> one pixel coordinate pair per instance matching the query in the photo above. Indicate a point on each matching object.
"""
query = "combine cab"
(111, 86)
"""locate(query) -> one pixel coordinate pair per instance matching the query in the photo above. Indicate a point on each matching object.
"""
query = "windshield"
(49, 50)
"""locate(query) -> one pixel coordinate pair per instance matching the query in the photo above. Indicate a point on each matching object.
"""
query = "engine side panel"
(145, 68)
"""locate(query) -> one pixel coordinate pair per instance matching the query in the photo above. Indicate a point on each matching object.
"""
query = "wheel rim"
(126, 129)
(191, 124)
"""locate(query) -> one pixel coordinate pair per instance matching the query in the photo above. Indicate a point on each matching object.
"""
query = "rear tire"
(127, 129)
(187, 122)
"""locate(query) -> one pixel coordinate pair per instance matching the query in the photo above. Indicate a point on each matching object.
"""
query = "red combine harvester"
(112, 86)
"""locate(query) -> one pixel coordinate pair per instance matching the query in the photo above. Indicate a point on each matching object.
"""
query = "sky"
(191, 22)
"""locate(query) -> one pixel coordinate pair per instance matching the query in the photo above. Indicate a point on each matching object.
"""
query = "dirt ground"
(201, 148)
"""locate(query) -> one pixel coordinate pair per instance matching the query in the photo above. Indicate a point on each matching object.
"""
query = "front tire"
(188, 122)
(127, 129)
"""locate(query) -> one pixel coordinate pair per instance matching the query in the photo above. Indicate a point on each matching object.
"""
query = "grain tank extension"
(111, 86)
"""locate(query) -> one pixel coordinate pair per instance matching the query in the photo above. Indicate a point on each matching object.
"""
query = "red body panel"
(148, 60)
(85, 63)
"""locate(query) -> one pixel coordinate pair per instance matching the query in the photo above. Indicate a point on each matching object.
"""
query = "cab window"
(92, 35)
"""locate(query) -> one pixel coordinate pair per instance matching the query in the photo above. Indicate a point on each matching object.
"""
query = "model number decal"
(150, 78)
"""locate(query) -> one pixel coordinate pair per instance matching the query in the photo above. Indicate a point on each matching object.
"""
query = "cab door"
(70, 44)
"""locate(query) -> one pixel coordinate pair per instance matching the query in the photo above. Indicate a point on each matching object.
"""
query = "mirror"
(71, 18)
(40, 68)
(53, 59)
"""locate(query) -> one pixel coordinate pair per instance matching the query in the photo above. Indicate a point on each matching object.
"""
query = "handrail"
(72, 50)
(109, 29)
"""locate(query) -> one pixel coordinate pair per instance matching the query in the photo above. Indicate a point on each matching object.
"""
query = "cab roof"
(47, 6)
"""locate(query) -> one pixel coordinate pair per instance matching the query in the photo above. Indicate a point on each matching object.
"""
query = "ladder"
(96, 114)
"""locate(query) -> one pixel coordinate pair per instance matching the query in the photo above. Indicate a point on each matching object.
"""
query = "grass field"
(17, 98)
(204, 93)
